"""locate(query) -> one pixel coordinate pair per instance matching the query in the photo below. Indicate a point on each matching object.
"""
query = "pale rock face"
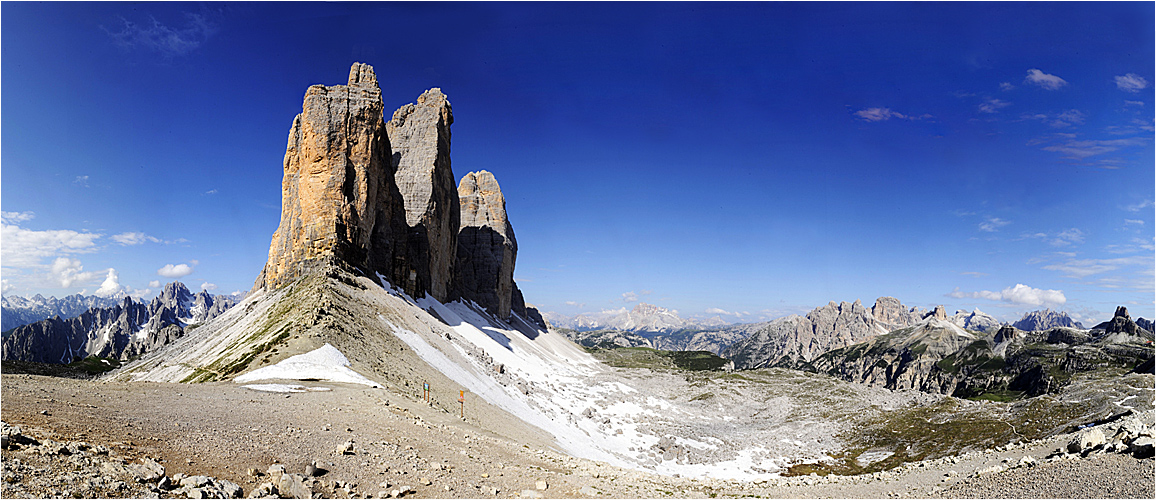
(487, 249)
(420, 137)
(337, 194)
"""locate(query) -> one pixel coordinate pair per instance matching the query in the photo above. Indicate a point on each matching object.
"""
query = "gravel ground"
(222, 430)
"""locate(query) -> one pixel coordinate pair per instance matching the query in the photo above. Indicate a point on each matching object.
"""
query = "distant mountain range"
(642, 318)
(19, 311)
(123, 330)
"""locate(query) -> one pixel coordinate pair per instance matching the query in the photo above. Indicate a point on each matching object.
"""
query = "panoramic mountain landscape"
(686, 311)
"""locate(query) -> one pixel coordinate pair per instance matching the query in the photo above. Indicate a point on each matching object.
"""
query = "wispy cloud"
(993, 105)
(1080, 268)
(1067, 237)
(1020, 295)
(1079, 150)
(1048, 82)
(884, 114)
(992, 224)
(154, 36)
(1133, 221)
(724, 312)
(81, 180)
(1136, 207)
(208, 287)
(1134, 103)
(17, 217)
(1060, 120)
(976, 274)
(572, 303)
(134, 238)
(1006, 86)
(1131, 82)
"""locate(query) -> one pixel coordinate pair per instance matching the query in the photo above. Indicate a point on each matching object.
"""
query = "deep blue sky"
(754, 157)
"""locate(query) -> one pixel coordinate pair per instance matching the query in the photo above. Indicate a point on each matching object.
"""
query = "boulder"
(1142, 447)
(1086, 440)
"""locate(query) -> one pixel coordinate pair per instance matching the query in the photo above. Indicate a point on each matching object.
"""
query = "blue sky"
(748, 160)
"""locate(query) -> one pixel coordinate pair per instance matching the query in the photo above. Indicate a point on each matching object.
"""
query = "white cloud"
(208, 287)
(134, 238)
(155, 284)
(993, 105)
(1134, 103)
(630, 297)
(1134, 221)
(6, 287)
(81, 180)
(68, 272)
(1131, 82)
(1005, 86)
(21, 247)
(176, 271)
(992, 224)
(1018, 295)
(211, 192)
(575, 304)
(1049, 82)
(110, 286)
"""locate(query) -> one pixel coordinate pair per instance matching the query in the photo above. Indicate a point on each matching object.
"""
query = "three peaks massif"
(379, 196)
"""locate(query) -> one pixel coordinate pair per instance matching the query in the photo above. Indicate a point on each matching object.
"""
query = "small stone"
(425, 481)
(530, 494)
(541, 484)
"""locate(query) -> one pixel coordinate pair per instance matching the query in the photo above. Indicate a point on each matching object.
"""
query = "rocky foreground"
(75, 438)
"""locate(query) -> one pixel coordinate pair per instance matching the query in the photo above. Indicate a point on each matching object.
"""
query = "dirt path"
(222, 430)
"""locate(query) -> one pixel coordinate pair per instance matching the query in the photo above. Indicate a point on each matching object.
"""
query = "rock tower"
(420, 136)
(487, 249)
(338, 198)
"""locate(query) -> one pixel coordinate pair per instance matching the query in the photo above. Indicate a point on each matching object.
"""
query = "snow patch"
(284, 388)
(324, 363)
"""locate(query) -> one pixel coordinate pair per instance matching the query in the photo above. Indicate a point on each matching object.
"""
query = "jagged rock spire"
(338, 198)
(487, 249)
(420, 137)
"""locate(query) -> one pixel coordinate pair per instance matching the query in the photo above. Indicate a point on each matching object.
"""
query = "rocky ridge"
(120, 332)
(938, 356)
(793, 341)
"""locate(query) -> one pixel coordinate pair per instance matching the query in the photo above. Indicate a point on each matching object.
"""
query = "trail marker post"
(462, 401)
(427, 392)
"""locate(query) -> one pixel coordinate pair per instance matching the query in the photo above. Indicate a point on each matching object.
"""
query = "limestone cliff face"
(420, 138)
(487, 249)
(338, 199)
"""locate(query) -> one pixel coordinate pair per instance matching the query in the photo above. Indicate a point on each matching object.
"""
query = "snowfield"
(326, 363)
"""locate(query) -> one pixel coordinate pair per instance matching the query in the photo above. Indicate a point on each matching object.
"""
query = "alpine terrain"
(386, 350)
